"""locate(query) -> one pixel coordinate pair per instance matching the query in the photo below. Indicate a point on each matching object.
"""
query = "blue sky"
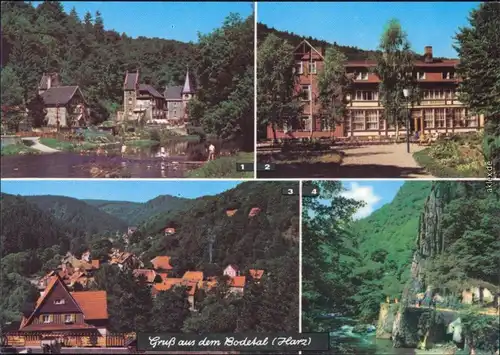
(116, 190)
(360, 24)
(180, 21)
(374, 193)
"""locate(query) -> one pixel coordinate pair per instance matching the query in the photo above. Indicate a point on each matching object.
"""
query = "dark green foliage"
(27, 227)
(328, 254)
(78, 214)
(478, 47)
(170, 310)
(480, 331)
(224, 103)
(239, 239)
(20, 291)
(134, 213)
(469, 231)
(37, 111)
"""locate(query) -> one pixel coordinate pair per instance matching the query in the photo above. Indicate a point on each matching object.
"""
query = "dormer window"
(46, 318)
(421, 75)
(59, 301)
(68, 318)
(362, 76)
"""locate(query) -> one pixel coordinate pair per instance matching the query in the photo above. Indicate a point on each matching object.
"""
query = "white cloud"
(364, 194)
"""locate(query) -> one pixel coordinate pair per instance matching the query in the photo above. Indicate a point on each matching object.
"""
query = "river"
(171, 160)
(344, 340)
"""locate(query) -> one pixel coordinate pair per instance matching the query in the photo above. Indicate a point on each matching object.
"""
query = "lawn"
(18, 149)
(67, 146)
(224, 167)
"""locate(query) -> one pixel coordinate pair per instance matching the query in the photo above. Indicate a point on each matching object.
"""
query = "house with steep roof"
(237, 284)
(177, 98)
(124, 260)
(140, 101)
(231, 270)
(59, 311)
(65, 105)
(162, 263)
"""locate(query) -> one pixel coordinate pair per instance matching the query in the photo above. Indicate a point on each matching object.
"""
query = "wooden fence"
(114, 340)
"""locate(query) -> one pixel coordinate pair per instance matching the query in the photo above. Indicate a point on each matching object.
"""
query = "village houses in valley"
(438, 111)
(71, 309)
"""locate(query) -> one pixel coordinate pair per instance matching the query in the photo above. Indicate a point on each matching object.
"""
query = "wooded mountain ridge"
(352, 52)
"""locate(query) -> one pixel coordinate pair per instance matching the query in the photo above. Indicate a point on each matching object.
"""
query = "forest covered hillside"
(252, 226)
(134, 213)
(387, 237)
(440, 234)
(46, 39)
(237, 238)
(79, 214)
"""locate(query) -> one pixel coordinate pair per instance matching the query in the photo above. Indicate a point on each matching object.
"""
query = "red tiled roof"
(95, 264)
(231, 213)
(237, 281)
(163, 275)
(193, 275)
(256, 274)
(93, 304)
(149, 274)
(162, 262)
(169, 283)
(169, 230)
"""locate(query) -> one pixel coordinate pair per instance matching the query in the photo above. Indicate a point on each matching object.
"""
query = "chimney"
(428, 54)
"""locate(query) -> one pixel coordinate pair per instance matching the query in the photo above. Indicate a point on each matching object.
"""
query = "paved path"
(393, 155)
(39, 146)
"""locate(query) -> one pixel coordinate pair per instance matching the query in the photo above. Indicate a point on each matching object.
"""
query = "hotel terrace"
(438, 111)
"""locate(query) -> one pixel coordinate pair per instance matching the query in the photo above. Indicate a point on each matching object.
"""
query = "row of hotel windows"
(432, 118)
(366, 95)
(364, 120)
(49, 318)
(312, 69)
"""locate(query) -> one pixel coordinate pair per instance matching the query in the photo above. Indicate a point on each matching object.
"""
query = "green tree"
(225, 78)
(478, 47)
(396, 72)
(333, 83)
(170, 310)
(326, 239)
(37, 111)
(275, 85)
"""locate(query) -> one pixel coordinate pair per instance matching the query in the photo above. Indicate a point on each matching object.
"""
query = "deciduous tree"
(396, 72)
(478, 47)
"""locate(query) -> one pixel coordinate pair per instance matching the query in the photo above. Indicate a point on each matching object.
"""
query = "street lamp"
(348, 100)
(406, 93)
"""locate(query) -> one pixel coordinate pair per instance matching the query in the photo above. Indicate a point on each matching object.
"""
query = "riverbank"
(18, 149)
(224, 167)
